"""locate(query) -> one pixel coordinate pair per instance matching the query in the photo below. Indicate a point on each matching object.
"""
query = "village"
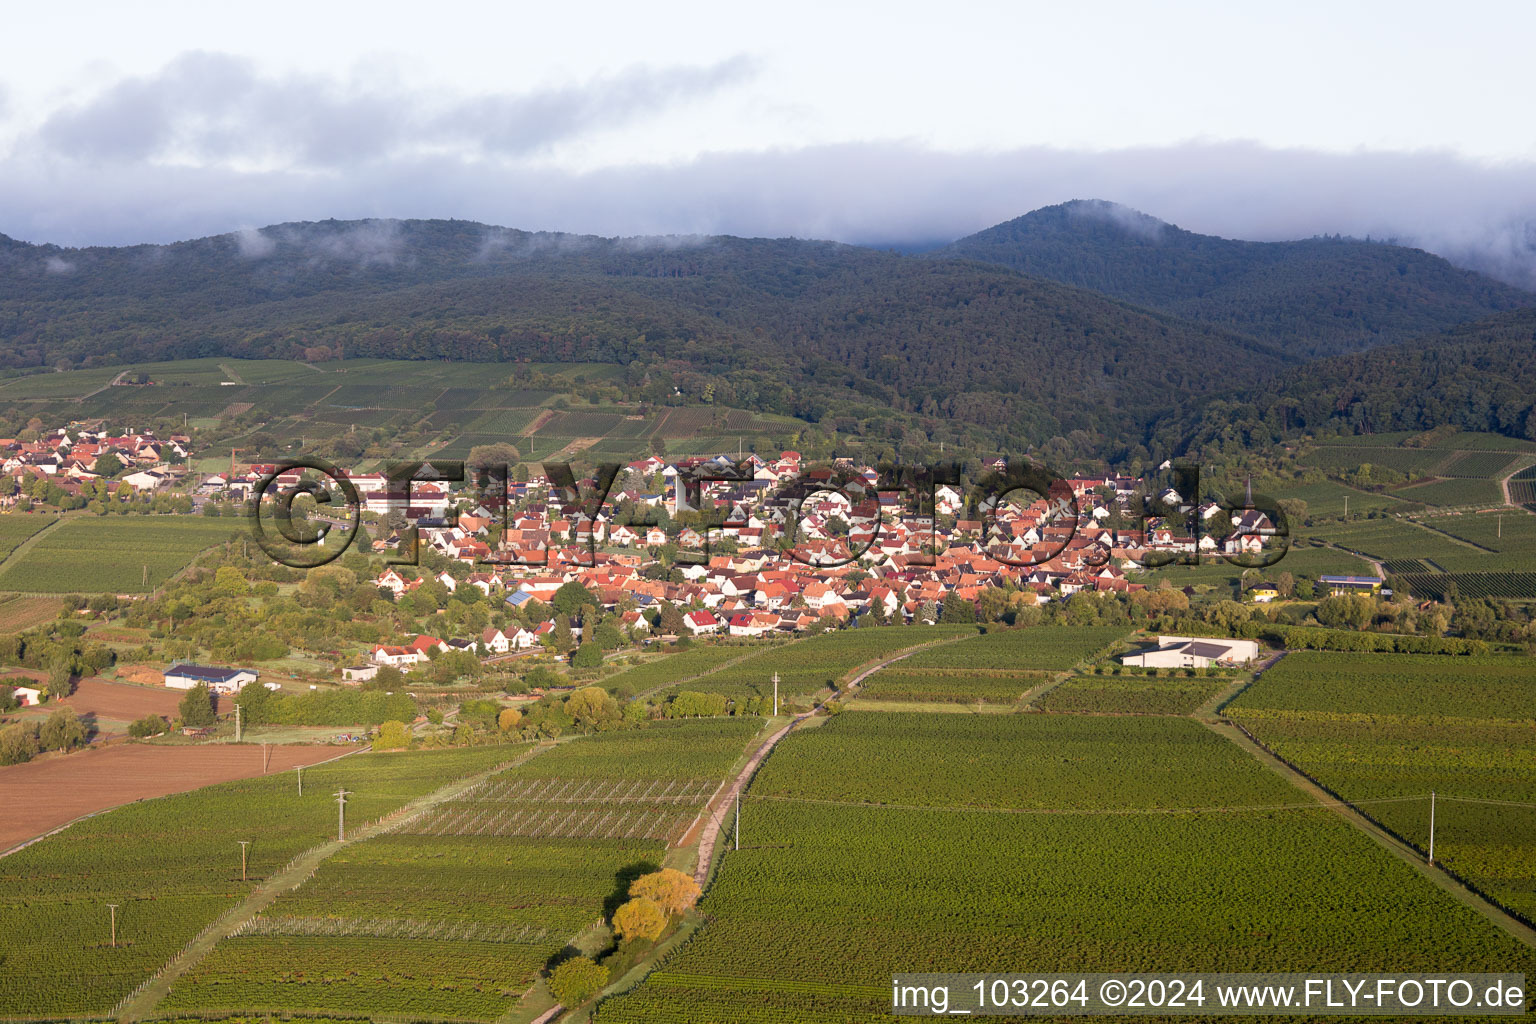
(666, 555)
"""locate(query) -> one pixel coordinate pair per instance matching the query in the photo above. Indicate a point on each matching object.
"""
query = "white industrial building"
(1193, 652)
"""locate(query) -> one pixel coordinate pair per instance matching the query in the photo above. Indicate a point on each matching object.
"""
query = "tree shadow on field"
(622, 881)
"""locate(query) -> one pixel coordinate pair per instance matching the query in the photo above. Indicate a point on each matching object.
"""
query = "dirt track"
(53, 790)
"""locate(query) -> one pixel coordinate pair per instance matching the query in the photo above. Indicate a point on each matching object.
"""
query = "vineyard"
(1522, 487)
(1480, 464)
(16, 527)
(174, 864)
(1020, 762)
(1404, 686)
(945, 885)
(1049, 649)
(1143, 695)
(950, 686)
(454, 913)
(819, 663)
(1400, 540)
(572, 808)
(1393, 728)
(1438, 586)
(673, 668)
(88, 554)
(1413, 461)
(1455, 492)
(1511, 533)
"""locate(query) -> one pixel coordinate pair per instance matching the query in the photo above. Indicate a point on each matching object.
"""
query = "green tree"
(61, 677)
(591, 706)
(392, 736)
(196, 707)
(18, 743)
(62, 731)
(957, 610)
(577, 980)
(571, 596)
(588, 655)
(107, 465)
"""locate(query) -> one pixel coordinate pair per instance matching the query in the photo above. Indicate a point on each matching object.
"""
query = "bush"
(577, 980)
(149, 725)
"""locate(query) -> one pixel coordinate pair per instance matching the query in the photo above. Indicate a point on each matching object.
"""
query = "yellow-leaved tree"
(639, 919)
(672, 890)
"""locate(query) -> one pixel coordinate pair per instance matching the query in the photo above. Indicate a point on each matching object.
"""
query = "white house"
(219, 679)
(1193, 652)
(28, 695)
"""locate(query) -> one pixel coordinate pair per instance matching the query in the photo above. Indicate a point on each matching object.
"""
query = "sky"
(881, 123)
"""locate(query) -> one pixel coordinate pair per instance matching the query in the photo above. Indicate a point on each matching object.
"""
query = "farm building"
(1193, 652)
(29, 696)
(1351, 584)
(184, 676)
(359, 673)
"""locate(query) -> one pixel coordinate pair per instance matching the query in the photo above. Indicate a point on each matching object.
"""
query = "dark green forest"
(1317, 297)
(1087, 322)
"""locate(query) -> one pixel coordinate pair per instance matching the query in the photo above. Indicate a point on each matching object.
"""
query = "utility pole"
(146, 575)
(300, 770)
(775, 695)
(243, 844)
(1346, 506)
(1501, 525)
(263, 757)
(1431, 826)
(341, 813)
(113, 908)
(239, 731)
(738, 821)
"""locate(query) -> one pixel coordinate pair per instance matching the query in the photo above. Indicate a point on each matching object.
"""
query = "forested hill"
(814, 329)
(1322, 296)
(1478, 377)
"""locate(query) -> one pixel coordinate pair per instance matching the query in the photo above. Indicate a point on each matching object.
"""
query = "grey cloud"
(1478, 214)
(58, 265)
(254, 244)
(216, 108)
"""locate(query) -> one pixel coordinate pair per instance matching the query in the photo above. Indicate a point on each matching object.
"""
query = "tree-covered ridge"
(811, 329)
(1476, 377)
(1319, 296)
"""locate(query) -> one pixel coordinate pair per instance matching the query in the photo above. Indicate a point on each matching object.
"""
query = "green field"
(456, 913)
(173, 865)
(1452, 493)
(950, 686)
(1393, 728)
(1394, 539)
(1414, 461)
(89, 554)
(461, 404)
(961, 877)
(669, 669)
(811, 666)
(1051, 649)
(1141, 695)
(16, 527)
(1328, 497)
